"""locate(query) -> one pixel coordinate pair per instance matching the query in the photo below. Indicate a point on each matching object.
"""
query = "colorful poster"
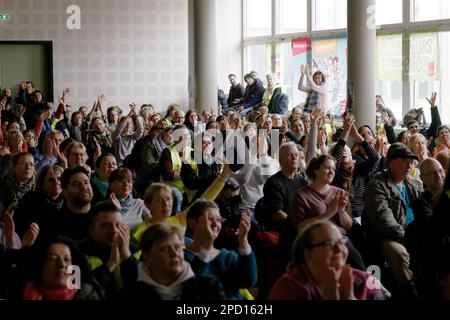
(328, 55)
(301, 50)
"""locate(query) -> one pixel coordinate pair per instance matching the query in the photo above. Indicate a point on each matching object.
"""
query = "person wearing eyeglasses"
(120, 190)
(234, 270)
(318, 270)
(322, 201)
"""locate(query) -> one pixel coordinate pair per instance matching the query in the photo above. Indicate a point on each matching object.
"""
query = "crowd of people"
(102, 204)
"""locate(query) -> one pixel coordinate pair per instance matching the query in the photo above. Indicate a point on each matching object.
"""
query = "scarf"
(346, 174)
(173, 291)
(125, 204)
(17, 188)
(101, 185)
(33, 292)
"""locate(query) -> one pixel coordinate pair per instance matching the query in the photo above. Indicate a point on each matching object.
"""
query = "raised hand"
(9, 228)
(30, 236)
(379, 145)
(387, 119)
(332, 207)
(263, 146)
(124, 246)
(316, 115)
(379, 103)
(61, 158)
(3, 103)
(355, 134)
(330, 289)
(303, 70)
(346, 284)
(308, 69)
(432, 100)
(349, 121)
(114, 200)
(321, 138)
(244, 229)
(132, 110)
(342, 200)
(114, 257)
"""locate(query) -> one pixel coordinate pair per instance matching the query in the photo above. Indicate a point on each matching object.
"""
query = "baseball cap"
(403, 153)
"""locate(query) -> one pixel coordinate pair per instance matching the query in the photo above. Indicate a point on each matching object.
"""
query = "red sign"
(300, 45)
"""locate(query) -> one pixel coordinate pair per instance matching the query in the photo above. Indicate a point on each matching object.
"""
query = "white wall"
(229, 41)
(129, 50)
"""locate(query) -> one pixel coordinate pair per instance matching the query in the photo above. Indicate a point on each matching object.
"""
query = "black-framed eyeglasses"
(330, 244)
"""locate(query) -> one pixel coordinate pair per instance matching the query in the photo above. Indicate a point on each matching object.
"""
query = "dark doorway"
(27, 60)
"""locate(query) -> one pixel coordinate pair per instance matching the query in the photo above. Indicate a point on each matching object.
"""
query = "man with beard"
(108, 249)
(73, 218)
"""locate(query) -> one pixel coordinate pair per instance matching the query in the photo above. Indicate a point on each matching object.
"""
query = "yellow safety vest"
(176, 165)
(95, 262)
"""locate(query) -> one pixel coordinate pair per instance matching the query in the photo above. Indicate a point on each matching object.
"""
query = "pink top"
(308, 203)
(298, 284)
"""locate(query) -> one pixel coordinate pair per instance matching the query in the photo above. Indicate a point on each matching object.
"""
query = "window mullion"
(274, 18)
(309, 19)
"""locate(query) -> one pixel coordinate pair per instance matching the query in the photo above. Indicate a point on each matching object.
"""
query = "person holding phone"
(384, 110)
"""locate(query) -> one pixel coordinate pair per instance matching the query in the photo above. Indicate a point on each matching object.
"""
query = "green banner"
(422, 64)
(424, 61)
(389, 58)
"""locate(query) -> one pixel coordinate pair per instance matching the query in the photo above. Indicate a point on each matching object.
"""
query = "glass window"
(330, 14)
(258, 18)
(257, 58)
(292, 16)
(422, 88)
(391, 92)
(389, 11)
(430, 10)
(389, 72)
(288, 76)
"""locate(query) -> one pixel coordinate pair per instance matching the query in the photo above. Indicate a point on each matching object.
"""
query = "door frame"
(49, 46)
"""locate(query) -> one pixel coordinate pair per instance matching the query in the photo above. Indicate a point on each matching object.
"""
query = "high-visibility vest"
(95, 262)
(176, 165)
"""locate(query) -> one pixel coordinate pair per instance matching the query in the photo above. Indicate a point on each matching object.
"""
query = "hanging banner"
(389, 58)
(330, 57)
(325, 47)
(424, 57)
(300, 45)
(301, 49)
